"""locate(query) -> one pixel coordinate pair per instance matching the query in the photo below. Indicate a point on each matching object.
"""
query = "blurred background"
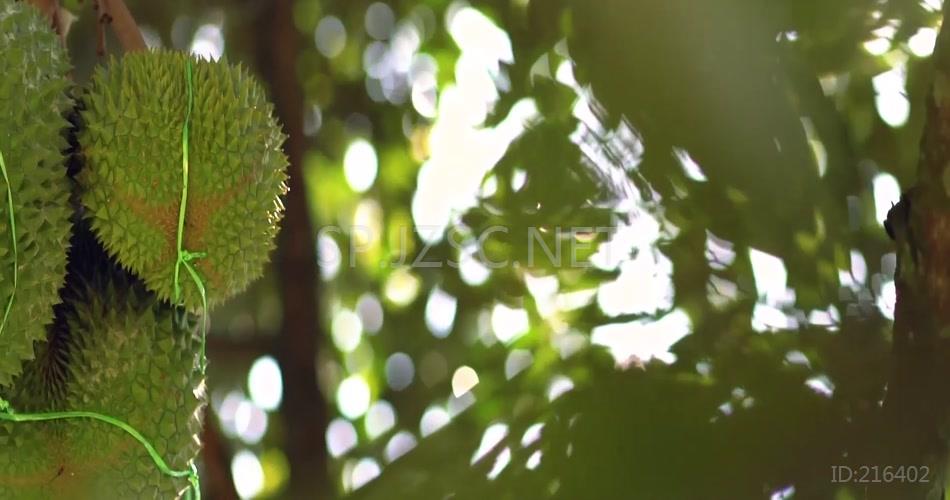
(556, 249)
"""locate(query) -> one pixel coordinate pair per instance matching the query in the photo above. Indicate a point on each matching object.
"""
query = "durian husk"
(133, 176)
(33, 101)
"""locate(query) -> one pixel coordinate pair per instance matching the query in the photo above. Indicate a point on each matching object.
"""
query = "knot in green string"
(9, 306)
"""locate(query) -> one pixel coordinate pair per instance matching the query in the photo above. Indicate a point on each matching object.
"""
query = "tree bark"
(916, 415)
(304, 410)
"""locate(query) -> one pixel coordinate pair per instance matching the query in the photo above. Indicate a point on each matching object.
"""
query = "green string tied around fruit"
(9, 307)
(7, 413)
(185, 257)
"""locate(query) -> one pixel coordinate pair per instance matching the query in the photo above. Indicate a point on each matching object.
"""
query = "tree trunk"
(304, 410)
(918, 394)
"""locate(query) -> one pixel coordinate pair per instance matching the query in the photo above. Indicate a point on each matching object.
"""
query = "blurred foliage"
(690, 139)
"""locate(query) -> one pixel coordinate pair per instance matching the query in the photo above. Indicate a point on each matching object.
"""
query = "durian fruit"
(115, 349)
(33, 100)
(133, 175)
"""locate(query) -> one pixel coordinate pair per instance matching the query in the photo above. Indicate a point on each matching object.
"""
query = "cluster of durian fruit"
(93, 190)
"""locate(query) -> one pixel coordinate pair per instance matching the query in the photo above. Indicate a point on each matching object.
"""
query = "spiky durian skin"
(121, 352)
(33, 100)
(132, 179)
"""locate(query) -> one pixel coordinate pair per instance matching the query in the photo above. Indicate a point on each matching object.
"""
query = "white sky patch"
(532, 434)
(644, 339)
(719, 252)
(877, 46)
(770, 278)
(642, 232)
(821, 385)
(690, 167)
(922, 43)
(502, 461)
(208, 42)
(559, 386)
(492, 436)
(859, 268)
(887, 300)
(887, 192)
(881, 43)
(891, 100)
(471, 270)
(534, 460)
(477, 35)
(783, 494)
(509, 323)
(543, 289)
(767, 318)
(462, 153)
(565, 73)
(645, 285)
(829, 318)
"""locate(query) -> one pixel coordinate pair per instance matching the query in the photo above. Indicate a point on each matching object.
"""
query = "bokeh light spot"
(360, 165)
(400, 371)
(353, 397)
(464, 380)
(247, 473)
(341, 437)
(265, 383)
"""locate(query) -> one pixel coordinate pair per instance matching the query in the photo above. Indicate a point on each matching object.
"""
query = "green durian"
(115, 349)
(132, 178)
(33, 100)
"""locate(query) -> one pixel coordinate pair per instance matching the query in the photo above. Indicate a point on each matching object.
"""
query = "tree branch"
(50, 9)
(116, 14)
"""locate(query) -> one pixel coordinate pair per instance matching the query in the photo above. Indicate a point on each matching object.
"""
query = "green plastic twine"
(7, 413)
(6, 179)
(184, 256)
(184, 259)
